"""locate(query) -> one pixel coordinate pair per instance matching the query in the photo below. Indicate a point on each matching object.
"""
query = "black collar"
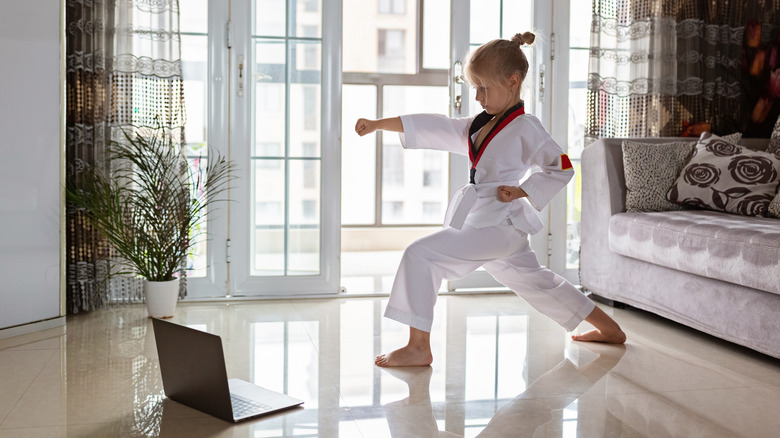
(479, 122)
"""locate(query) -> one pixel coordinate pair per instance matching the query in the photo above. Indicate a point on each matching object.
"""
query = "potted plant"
(149, 206)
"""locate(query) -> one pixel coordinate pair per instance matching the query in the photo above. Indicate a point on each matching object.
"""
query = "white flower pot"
(161, 297)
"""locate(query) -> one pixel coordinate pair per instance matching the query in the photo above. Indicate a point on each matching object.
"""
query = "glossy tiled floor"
(500, 370)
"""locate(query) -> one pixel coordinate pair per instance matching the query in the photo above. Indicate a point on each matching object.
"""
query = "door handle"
(457, 70)
(240, 85)
(459, 80)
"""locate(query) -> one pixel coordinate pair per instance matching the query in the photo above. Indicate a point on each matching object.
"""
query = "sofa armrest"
(603, 195)
(605, 176)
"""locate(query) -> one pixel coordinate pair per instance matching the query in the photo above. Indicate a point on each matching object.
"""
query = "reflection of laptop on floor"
(192, 365)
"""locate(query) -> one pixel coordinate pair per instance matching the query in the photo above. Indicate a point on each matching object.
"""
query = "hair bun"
(524, 38)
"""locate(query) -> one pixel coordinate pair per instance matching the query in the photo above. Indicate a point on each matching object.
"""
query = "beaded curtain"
(674, 68)
(123, 69)
(89, 59)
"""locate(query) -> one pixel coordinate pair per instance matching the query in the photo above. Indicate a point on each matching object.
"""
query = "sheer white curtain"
(147, 78)
(630, 62)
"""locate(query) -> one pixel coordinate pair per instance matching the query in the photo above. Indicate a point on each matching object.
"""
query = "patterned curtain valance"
(147, 77)
(659, 68)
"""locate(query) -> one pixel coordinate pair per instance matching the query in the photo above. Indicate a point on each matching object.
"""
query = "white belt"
(463, 200)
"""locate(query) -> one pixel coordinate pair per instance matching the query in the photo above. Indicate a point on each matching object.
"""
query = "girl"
(488, 220)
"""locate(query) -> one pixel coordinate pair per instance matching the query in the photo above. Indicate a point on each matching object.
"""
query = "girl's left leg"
(449, 253)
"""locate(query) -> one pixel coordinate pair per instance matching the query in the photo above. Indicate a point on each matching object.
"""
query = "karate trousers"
(503, 251)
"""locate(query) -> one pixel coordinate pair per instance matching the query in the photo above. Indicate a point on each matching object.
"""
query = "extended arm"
(423, 131)
(365, 126)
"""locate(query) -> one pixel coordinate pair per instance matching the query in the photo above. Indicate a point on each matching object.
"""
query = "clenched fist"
(509, 193)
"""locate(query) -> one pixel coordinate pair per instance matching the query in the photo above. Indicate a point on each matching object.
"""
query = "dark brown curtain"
(675, 68)
(89, 58)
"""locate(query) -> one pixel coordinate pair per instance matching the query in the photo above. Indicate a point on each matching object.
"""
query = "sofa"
(713, 271)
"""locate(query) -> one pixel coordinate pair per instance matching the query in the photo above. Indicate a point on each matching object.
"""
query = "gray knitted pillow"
(651, 169)
(774, 148)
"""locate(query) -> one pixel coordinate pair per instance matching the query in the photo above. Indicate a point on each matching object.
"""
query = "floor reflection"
(534, 411)
(500, 370)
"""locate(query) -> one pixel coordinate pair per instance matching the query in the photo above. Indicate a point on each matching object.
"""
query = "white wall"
(29, 162)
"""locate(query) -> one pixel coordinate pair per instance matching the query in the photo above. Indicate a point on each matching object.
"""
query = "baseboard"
(33, 327)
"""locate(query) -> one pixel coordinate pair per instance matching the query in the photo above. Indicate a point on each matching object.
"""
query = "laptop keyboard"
(243, 407)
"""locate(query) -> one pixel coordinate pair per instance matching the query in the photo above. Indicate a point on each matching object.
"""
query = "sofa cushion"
(774, 148)
(724, 177)
(651, 169)
(738, 249)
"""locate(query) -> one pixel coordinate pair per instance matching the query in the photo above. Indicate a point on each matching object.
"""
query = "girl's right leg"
(416, 353)
(606, 329)
(553, 296)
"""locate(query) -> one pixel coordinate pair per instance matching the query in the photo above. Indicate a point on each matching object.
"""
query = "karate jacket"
(522, 150)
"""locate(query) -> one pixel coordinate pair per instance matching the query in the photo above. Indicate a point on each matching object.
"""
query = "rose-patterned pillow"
(722, 176)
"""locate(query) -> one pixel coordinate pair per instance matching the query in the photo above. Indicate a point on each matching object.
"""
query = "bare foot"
(405, 357)
(596, 335)
(606, 329)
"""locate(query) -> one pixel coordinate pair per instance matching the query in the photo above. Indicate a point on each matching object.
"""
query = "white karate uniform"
(481, 230)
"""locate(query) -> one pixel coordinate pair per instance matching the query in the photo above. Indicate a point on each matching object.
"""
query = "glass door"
(285, 128)
(262, 79)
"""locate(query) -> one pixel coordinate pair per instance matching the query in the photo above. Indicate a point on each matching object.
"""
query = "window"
(392, 7)
(311, 5)
(271, 210)
(393, 172)
(310, 167)
(311, 52)
(311, 110)
(393, 209)
(384, 185)
(432, 210)
(268, 149)
(392, 56)
(309, 209)
(433, 171)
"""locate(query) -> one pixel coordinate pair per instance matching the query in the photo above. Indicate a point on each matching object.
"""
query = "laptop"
(192, 365)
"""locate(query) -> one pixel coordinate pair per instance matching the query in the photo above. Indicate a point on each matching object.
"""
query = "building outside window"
(392, 7)
(391, 50)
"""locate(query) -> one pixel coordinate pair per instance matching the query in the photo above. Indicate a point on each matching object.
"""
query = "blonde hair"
(493, 63)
